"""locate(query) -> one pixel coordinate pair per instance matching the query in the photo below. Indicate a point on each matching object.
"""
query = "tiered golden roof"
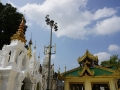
(20, 33)
(89, 55)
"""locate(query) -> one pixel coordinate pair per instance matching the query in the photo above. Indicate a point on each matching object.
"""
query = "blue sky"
(82, 25)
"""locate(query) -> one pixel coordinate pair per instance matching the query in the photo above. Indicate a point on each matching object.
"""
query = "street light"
(52, 25)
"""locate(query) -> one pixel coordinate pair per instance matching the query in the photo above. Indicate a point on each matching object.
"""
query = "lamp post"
(52, 25)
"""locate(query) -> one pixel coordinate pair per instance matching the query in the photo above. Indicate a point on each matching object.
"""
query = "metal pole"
(52, 25)
(48, 81)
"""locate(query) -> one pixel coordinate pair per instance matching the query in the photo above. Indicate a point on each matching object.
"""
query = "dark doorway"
(100, 87)
(26, 84)
(23, 86)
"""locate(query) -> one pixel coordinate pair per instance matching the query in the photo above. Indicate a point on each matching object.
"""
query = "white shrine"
(19, 68)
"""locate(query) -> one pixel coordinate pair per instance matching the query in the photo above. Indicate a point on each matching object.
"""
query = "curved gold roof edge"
(88, 54)
(104, 68)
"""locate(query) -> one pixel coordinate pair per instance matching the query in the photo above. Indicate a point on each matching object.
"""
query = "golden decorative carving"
(29, 52)
(20, 33)
(86, 68)
(88, 54)
(60, 77)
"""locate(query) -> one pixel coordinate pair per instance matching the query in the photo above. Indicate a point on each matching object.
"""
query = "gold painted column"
(87, 84)
(66, 85)
(112, 84)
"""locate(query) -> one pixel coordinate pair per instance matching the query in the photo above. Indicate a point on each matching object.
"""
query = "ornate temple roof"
(85, 70)
(20, 33)
(89, 55)
(97, 71)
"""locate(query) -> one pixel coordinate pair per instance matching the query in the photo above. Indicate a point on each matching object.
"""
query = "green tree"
(9, 23)
(113, 62)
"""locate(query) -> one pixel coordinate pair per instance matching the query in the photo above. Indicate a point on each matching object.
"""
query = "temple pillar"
(5, 59)
(11, 80)
(10, 83)
(112, 84)
(87, 85)
(32, 86)
(3, 83)
(66, 85)
(14, 55)
(19, 85)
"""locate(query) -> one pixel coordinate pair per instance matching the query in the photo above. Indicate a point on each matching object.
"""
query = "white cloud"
(108, 26)
(113, 48)
(103, 56)
(72, 17)
(105, 12)
(28, 23)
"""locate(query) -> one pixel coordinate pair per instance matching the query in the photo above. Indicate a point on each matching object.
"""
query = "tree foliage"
(113, 62)
(9, 23)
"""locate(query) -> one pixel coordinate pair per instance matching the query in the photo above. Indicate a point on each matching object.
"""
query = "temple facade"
(90, 76)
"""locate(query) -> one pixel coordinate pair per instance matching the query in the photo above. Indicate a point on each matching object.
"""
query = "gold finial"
(20, 33)
(22, 20)
(87, 51)
(65, 68)
(59, 68)
(30, 42)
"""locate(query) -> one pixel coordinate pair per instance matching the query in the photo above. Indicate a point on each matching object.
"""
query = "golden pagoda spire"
(30, 42)
(20, 33)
